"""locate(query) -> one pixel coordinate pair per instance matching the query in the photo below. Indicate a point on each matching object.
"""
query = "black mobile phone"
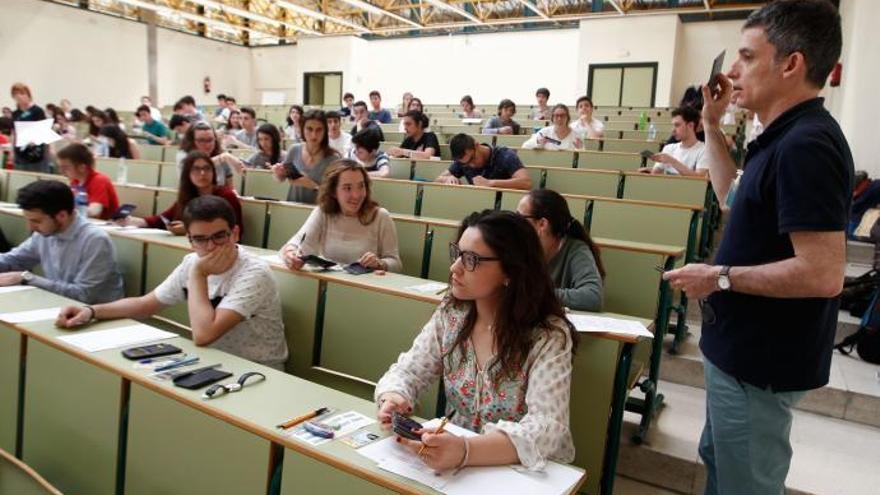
(405, 426)
(313, 260)
(123, 212)
(647, 154)
(717, 67)
(356, 269)
(552, 140)
(148, 351)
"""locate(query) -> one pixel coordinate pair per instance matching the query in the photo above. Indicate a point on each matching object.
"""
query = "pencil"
(305, 417)
(439, 429)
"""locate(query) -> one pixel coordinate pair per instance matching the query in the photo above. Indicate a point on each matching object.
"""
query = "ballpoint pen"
(439, 428)
(177, 364)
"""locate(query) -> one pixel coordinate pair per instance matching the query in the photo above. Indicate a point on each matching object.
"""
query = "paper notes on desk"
(272, 259)
(143, 230)
(101, 340)
(589, 323)
(30, 316)
(341, 423)
(433, 288)
(393, 457)
(15, 288)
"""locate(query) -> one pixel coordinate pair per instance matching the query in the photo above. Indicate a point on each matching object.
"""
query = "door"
(622, 85)
(322, 89)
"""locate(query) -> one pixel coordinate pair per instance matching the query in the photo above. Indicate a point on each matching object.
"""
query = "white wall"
(698, 45)
(617, 40)
(89, 58)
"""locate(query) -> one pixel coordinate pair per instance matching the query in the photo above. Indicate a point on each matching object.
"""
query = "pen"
(177, 364)
(660, 269)
(299, 419)
(439, 429)
(162, 358)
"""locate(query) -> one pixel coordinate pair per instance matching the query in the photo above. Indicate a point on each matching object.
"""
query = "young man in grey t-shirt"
(231, 296)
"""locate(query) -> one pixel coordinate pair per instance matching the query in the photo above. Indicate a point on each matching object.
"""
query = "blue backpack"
(866, 340)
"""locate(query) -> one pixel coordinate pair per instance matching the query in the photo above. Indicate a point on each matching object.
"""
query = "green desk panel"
(411, 244)
(546, 158)
(10, 343)
(632, 284)
(143, 198)
(145, 173)
(641, 223)
(608, 160)
(455, 203)
(299, 300)
(263, 185)
(565, 181)
(16, 181)
(666, 189)
(168, 175)
(164, 199)
(285, 220)
(439, 262)
(161, 261)
(175, 449)
(304, 475)
(253, 216)
(428, 170)
(71, 421)
(396, 197)
(14, 227)
(130, 259)
(154, 152)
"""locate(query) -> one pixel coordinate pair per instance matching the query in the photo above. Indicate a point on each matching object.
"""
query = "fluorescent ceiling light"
(379, 11)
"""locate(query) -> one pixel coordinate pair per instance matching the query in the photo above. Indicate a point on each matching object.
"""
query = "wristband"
(467, 454)
(94, 317)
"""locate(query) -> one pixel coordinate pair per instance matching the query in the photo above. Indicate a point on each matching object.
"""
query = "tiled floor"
(626, 486)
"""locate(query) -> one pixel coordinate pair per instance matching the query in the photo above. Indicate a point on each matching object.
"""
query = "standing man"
(33, 157)
(771, 300)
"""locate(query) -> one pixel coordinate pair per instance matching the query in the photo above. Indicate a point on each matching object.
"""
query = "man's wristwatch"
(724, 278)
(26, 277)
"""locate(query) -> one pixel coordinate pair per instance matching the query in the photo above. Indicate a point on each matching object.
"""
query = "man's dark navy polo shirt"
(798, 177)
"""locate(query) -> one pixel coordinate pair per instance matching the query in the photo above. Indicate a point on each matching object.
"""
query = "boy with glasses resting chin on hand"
(231, 296)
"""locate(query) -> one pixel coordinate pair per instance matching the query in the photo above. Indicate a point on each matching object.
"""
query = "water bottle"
(82, 202)
(122, 171)
(101, 148)
(652, 132)
(643, 121)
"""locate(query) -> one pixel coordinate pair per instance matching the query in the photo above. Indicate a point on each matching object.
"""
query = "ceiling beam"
(534, 8)
(299, 9)
(458, 10)
(368, 7)
(247, 14)
(616, 7)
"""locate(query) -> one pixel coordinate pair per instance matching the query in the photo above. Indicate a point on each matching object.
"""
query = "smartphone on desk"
(123, 211)
(311, 259)
(149, 351)
(356, 269)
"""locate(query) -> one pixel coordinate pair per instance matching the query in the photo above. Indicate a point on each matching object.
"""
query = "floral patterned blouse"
(532, 409)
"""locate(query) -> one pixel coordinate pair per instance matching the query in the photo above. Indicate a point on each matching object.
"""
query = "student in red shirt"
(76, 162)
(198, 178)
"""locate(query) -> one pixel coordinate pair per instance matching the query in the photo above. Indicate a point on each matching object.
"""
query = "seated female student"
(268, 148)
(366, 150)
(119, 145)
(62, 126)
(306, 162)
(198, 178)
(558, 136)
(202, 137)
(293, 130)
(97, 120)
(113, 118)
(418, 143)
(415, 105)
(503, 123)
(586, 126)
(501, 344)
(347, 226)
(233, 123)
(467, 108)
(572, 257)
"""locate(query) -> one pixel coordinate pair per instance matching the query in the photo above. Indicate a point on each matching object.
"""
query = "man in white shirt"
(688, 155)
(339, 141)
(231, 296)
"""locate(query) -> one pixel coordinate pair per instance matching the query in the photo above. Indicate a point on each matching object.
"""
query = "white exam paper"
(589, 323)
(31, 316)
(428, 287)
(39, 132)
(101, 340)
(15, 288)
(342, 424)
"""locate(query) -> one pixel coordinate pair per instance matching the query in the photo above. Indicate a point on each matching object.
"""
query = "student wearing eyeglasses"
(198, 178)
(503, 348)
(558, 136)
(572, 256)
(231, 296)
(347, 226)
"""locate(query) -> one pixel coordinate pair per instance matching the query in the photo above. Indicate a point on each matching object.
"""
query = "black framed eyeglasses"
(244, 380)
(218, 238)
(469, 259)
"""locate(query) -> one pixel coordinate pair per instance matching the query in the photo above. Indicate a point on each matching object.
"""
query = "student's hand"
(176, 227)
(448, 179)
(290, 257)
(73, 316)
(662, 158)
(10, 278)
(482, 181)
(541, 140)
(697, 281)
(645, 170)
(506, 130)
(714, 106)
(441, 453)
(391, 402)
(279, 171)
(132, 221)
(217, 261)
(396, 152)
(370, 260)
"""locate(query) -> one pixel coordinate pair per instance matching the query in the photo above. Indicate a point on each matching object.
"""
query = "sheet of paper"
(471, 121)
(272, 258)
(38, 132)
(428, 287)
(100, 340)
(342, 424)
(137, 230)
(393, 457)
(31, 316)
(589, 323)
(15, 288)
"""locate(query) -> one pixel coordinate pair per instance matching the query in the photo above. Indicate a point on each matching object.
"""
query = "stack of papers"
(15, 288)
(342, 424)
(39, 132)
(101, 340)
(392, 457)
(30, 316)
(588, 323)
